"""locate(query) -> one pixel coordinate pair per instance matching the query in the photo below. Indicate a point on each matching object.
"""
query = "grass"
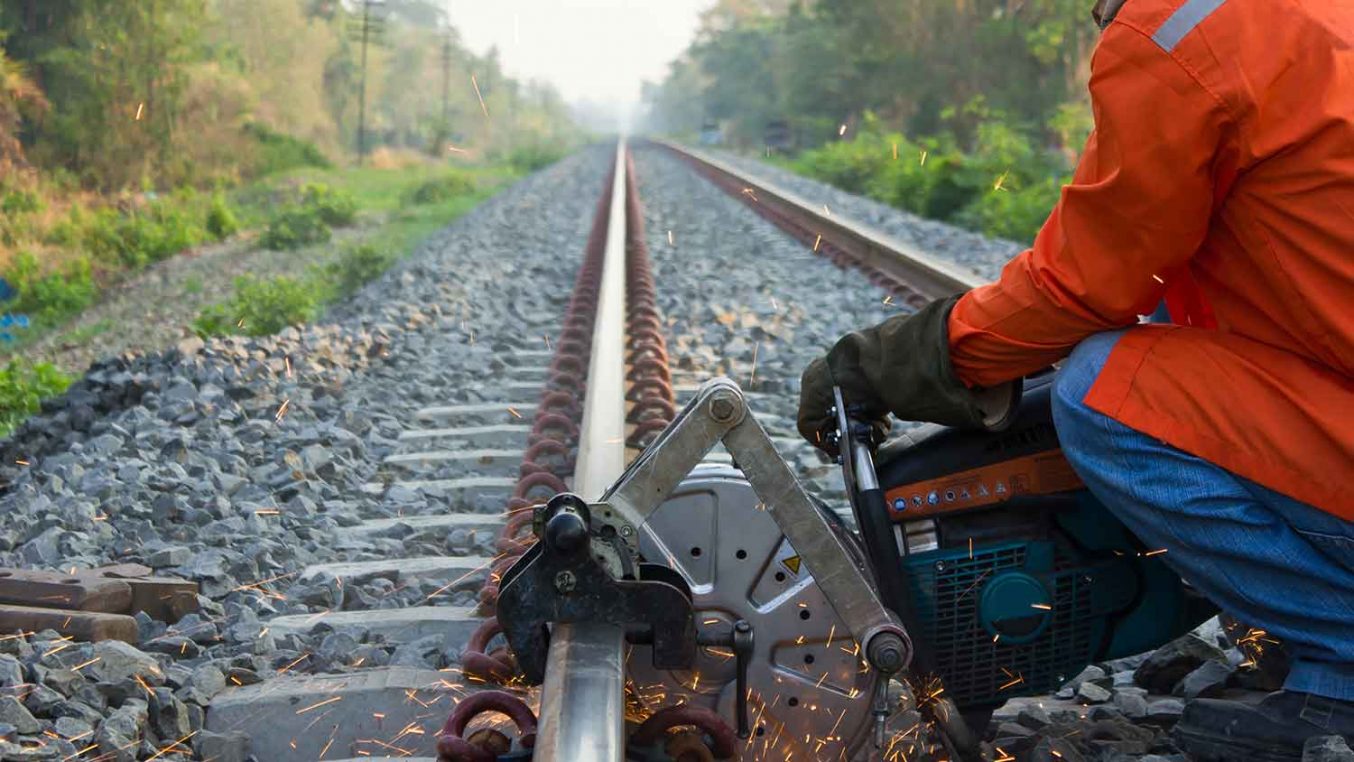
(81, 245)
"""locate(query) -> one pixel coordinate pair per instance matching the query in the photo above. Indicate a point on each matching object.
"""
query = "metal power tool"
(978, 569)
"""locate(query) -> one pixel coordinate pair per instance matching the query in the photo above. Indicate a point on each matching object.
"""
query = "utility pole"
(371, 26)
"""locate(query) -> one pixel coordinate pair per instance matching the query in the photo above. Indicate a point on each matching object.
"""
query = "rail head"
(929, 275)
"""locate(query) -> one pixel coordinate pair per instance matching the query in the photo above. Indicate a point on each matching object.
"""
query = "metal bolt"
(627, 530)
(724, 406)
(565, 582)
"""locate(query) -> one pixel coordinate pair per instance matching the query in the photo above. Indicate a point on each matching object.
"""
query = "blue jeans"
(1271, 561)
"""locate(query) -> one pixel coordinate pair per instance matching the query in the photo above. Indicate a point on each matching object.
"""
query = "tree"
(19, 97)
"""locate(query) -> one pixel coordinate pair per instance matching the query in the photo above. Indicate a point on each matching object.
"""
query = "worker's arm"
(1136, 211)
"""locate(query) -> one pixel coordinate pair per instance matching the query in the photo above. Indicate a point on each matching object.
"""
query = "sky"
(593, 51)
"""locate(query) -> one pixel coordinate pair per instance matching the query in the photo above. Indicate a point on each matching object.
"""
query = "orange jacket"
(1223, 157)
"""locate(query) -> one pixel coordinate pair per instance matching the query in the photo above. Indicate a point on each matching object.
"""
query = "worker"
(1220, 176)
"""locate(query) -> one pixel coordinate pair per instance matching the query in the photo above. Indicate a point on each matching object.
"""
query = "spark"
(454, 149)
(547, 342)
(970, 548)
(710, 621)
(22, 462)
(827, 211)
(1001, 181)
(287, 360)
(817, 241)
(830, 633)
(476, 85)
(750, 193)
(299, 659)
(282, 411)
(1156, 552)
(170, 747)
(670, 241)
(267, 512)
(888, 299)
(1005, 757)
(140, 109)
(895, 151)
(996, 637)
(1017, 680)
(752, 378)
(80, 752)
(82, 665)
(512, 411)
(319, 704)
(923, 157)
(841, 130)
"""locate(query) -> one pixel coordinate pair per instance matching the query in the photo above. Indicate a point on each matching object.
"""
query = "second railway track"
(347, 495)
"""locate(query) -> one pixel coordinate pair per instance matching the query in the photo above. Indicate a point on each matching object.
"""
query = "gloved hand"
(901, 366)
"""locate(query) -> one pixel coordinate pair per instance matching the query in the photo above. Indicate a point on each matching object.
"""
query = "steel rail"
(872, 250)
(582, 713)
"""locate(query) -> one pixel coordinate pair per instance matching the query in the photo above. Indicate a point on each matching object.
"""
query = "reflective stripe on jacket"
(1223, 154)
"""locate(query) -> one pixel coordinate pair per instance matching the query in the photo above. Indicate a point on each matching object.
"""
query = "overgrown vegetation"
(131, 131)
(264, 306)
(985, 101)
(23, 387)
(440, 189)
(260, 307)
(1001, 186)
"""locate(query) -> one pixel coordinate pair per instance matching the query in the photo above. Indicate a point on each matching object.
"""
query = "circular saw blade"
(809, 691)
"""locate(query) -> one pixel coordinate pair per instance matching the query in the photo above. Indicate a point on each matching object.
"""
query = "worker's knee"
(1079, 427)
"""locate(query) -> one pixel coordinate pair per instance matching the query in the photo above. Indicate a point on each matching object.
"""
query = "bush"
(335, 207)
(293, 227)
(20, 202)
(440, 189)
(23, 387)
(221, 221)
(52, 296)
(276, 152)
(142, 237)
(534, 156)
(1014, 214)
(260, 307)
(358, 265)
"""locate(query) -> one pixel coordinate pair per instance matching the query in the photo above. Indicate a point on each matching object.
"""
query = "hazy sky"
(594, 50)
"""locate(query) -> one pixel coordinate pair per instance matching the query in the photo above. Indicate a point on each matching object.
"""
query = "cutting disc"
(809, 689)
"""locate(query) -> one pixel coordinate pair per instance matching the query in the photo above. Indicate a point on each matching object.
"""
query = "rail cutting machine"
(973, 567)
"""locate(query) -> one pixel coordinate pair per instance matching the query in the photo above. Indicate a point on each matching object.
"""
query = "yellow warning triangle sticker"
(791, 563)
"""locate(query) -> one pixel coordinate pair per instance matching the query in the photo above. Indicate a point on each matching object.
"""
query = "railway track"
(367, 627)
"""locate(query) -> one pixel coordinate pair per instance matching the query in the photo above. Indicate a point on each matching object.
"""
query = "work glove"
(901, 366)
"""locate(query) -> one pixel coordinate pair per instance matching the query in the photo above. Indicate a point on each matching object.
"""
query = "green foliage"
(308, 220)
(145, 236)
(1001, 187)
(294, 226)
(53, 296)
(221, 221)
(277, 152)
(440, 189)
(23, 387)
(20, 202)
(1015, 214)
(260, 307)
(358, 265)
(335, 207)
(534, 156)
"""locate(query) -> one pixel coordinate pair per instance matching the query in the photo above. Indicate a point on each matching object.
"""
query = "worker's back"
(1278, 265)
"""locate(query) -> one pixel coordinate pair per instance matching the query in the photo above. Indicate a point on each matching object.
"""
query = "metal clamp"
(719, 414)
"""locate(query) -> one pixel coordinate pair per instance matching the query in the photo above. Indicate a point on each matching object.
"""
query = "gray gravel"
(984, 256)
(734, 289)
(234, 463)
